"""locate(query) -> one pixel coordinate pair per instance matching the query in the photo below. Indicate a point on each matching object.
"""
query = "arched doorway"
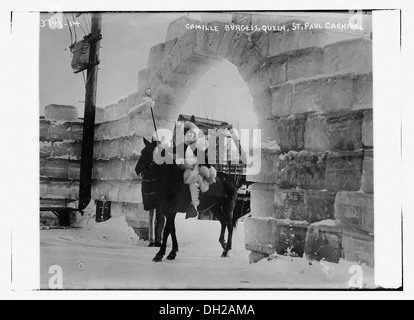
(221, 94)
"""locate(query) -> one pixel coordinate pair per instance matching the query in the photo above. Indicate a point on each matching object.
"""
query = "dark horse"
(174, 197)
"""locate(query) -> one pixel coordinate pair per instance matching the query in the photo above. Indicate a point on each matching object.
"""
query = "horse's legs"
(219, 213)
(151, 226)
(174, 250)
(173, 234)
(229, 214)
(228, 246)
(167, 230)
(159, 225)
(223, 230)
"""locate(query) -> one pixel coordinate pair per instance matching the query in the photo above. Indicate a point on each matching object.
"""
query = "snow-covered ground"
(110, 256)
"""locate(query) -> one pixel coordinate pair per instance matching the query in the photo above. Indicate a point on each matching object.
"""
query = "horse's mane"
(166, 171)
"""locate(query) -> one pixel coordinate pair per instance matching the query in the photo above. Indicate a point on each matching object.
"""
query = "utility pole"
(89, 115)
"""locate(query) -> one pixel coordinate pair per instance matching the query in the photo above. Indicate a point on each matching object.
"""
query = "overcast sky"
(127, 38)
(126, 41)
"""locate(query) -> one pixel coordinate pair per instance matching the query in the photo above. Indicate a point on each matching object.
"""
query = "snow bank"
(301, 273)
(115, 230)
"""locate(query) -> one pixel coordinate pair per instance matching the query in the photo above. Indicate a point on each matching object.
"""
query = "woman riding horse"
(174, 196)
(198, 176)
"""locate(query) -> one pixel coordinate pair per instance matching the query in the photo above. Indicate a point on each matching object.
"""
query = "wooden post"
(89, 114)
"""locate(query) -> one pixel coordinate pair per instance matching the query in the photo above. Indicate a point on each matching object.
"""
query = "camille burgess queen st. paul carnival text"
(275, 28)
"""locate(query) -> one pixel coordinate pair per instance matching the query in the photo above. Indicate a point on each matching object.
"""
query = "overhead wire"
(88, 26)
(80, 26)
(70, 30)
(74, 29)
(88, 22)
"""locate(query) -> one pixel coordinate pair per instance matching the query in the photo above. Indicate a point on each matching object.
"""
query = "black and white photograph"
(210, 150)
(118, 90)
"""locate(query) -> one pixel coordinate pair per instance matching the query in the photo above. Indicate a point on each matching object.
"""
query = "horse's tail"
(235, 220)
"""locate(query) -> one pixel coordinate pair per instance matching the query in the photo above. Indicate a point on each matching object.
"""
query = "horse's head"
(147, 156)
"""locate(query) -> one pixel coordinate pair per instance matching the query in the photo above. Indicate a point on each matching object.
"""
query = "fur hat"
(188, 125)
